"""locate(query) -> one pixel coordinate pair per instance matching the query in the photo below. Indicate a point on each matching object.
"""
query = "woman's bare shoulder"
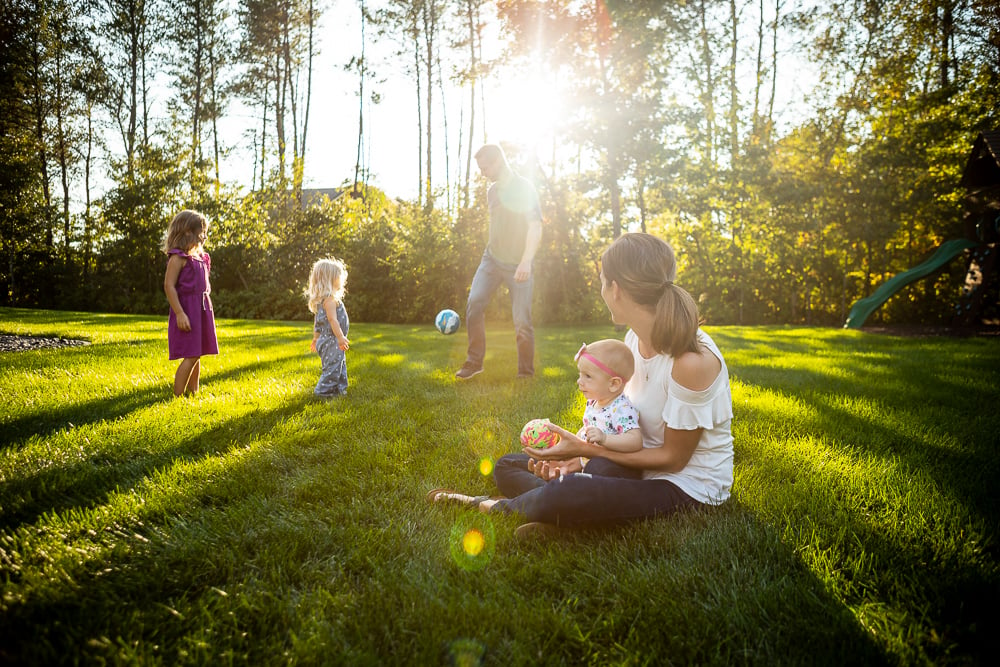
(696, 370)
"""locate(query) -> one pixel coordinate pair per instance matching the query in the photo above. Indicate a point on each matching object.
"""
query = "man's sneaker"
(467, 371)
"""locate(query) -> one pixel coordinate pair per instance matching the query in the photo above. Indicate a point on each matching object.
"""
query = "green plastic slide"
(946, 252)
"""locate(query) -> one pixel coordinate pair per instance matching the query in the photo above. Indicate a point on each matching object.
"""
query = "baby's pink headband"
(594, 360)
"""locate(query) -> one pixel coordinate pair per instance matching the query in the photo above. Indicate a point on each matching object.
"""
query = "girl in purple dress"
(191, 327)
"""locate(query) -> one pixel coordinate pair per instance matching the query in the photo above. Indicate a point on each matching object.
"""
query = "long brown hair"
(644, 267)
(184, 231)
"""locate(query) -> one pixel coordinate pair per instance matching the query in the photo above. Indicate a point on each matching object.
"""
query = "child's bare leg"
(182, 378)
(192, 383)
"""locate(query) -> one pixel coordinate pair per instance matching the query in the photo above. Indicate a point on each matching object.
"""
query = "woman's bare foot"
(486, 505)
(482, 503)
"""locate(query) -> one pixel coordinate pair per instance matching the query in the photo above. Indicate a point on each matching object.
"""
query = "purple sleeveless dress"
(193, 289)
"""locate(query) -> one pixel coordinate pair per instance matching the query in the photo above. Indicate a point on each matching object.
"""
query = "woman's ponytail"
(675, 329)
(645, 268)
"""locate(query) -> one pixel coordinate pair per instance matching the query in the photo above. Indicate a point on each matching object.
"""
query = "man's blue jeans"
(604, 493)
(489, 276)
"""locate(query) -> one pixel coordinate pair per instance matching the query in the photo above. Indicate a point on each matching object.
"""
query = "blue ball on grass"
(447, 321)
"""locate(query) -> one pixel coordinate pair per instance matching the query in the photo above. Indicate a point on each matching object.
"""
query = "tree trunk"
(947, 36)
(430, 33)
(734, 100)
(263, 138)
(215, 120)
(735, 213)
(199, 50)
(281, 109)
(640, 197)
(473, 77)
(62, 150)
(144, 90)
(420, 117)
(444, 130)
(87, 222)
(774, 73)
(361, 104)
(709, 87)
(292, 97)
(759, 72)
(305, 113)
(39, 111)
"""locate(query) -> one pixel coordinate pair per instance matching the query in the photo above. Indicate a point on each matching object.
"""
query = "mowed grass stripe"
(253, 524)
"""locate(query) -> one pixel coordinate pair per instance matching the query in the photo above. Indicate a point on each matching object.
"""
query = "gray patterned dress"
(333, 377)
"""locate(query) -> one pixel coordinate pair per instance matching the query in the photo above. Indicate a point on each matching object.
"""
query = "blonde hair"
(328, 278)
(615, 355)
(184, 231)
(644, 267)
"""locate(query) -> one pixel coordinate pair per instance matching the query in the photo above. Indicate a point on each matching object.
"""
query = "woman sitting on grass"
(681, 390)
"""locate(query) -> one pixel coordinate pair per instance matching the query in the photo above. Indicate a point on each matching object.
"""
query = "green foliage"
(251, 524)
(131, 275)
(404, 262)
(667, 127)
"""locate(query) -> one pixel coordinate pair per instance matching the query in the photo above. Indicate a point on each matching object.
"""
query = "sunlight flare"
(525, 110)
(473, 541)
(486, 466)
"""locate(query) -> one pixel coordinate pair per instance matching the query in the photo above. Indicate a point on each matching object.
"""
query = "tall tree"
(57, 60)
(70, 66)
(360, 63)
(21, 206)
(199, 59)
(130, 32)
(367, 94)
(277, 45)
(471, 75)
(403, 18)
(430, 22)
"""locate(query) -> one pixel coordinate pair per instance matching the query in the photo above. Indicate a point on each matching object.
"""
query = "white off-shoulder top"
(661, 401)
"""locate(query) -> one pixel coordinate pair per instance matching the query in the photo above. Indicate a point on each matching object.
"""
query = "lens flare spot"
(466, 653)
(486, 466)
(473, 542)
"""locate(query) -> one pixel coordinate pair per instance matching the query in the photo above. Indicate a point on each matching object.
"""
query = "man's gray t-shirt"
(513, 204)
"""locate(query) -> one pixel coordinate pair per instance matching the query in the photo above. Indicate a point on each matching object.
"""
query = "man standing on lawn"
(515, 234)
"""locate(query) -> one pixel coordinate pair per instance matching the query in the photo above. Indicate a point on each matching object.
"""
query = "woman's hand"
(343, 343)
(183, 323)
(548, 470)
(570, 446)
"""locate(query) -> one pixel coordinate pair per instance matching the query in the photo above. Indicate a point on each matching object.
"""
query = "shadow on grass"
(925, 405)
(910, 391)
(970, 470)
(758, 603)
(47, 421)
(941, 596)
(712, 588)
(89, 482)
(88, 320)
(923, 417)
(709, 587)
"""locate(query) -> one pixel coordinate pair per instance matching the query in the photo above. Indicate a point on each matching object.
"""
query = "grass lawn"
(251, 524)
